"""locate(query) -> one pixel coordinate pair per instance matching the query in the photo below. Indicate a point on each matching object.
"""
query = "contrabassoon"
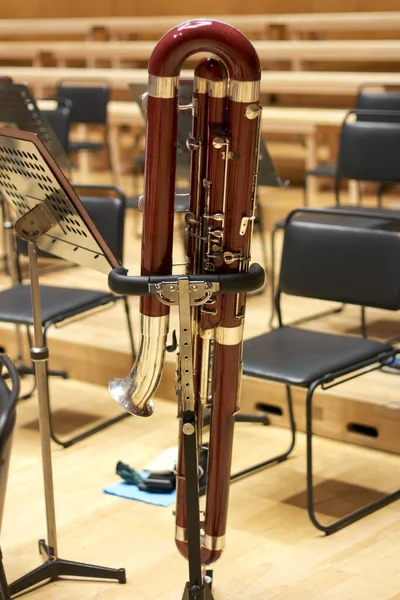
(224, 145)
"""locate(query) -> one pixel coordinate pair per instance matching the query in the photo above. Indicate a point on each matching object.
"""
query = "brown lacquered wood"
(159, 193)
(205, 35)
(226, 385)
(228, 171)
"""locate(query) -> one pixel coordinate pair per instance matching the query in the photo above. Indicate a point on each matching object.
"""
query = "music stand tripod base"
(54, 569)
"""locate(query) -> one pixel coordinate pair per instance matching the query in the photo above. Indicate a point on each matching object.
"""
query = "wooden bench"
(260, 24)
(335, 83)
(303, 122)
(296, 52)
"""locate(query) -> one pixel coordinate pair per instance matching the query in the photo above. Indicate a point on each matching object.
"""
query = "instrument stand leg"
(197, 588)
(54, 567)
(4, 591)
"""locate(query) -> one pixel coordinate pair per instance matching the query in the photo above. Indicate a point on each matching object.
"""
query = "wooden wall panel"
(79, 8)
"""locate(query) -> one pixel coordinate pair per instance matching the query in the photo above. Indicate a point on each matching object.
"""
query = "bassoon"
(224, 145)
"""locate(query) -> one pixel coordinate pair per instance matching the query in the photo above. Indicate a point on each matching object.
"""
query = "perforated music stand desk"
(51, 217)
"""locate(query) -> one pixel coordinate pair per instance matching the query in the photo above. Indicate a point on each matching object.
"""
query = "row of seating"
(305, 83)
(260, 24)
(118, 53)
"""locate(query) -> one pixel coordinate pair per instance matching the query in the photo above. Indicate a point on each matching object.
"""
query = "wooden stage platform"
(365, 411)
(273, 552)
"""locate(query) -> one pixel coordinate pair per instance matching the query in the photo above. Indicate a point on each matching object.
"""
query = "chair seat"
(299, 357)
(323, 171)
(85, 145)
(57, 303)
(384, 221)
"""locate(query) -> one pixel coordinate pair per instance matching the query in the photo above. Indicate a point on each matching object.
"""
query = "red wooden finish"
(215, 117)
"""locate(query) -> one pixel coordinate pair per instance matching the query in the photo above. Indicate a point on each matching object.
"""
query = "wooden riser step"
(367, 415)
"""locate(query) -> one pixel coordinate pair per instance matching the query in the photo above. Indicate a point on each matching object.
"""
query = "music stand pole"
(53, 567)
(39, 357)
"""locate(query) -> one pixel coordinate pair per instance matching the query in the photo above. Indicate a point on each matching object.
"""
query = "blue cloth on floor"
(132, 492)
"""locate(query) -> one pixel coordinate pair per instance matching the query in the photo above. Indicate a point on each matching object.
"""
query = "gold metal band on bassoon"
(200, 85)
(163, 87)
(181, 534)
(207, 334)
(214, 542)
(229, 336)
(244, 91)
(215, 89)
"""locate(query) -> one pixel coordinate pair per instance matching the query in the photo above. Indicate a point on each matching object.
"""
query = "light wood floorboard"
(273, 551)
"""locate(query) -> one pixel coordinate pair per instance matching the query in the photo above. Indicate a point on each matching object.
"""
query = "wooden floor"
(273, 551)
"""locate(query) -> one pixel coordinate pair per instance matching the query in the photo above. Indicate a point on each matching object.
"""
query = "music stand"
(18, 108)
(52, 218)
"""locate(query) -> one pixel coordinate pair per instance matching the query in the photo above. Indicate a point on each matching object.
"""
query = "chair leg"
(272, 279)
(77, 438)
(363, 322)
(280, 457)
(85, 434)
(355, 515)
(260, 224)
(113, 165)
(4, 589)
(262, 237)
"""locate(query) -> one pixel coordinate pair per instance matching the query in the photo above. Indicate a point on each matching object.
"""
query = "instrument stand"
(196, 588)
(186, 291)
(32, 225)
(4, 590)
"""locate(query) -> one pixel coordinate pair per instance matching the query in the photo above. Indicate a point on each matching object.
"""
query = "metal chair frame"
(108, 299)
(378, 116)
(327, 381)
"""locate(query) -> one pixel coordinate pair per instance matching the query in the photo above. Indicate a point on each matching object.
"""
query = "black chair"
(368, 151)
(8, 402)
(367, 99)
(58, 113)
(106, 206)
(89, 107)
(338, 262)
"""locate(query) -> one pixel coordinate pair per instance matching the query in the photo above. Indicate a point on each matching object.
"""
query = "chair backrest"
(106, 206)
(369, 147)
(89, 102)
(370, 98)
(267, 174)
(8, 401)
(340, 262)
(58, 115)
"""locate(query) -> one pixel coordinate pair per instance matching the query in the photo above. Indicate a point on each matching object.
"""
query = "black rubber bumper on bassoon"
(120, 282)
